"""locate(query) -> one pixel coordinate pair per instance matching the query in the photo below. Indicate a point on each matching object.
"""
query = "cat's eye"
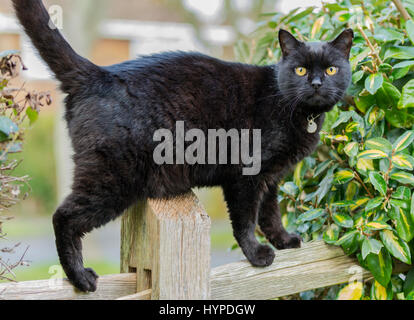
(331, 71)
(301, 71)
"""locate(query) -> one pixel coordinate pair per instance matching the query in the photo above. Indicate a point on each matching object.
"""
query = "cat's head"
(315, 74)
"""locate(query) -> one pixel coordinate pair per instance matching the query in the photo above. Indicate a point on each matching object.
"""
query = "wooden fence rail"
(165, 254)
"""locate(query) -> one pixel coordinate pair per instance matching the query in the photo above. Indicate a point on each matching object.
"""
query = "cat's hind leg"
(102, 191)
(78, 215)
(243, 201)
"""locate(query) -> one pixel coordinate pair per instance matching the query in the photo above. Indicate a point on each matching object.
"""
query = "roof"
(143, 10)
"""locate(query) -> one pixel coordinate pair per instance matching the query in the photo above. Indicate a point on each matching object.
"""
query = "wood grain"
(315, 265)
(109, 288)
(167, 243)
(144, 295)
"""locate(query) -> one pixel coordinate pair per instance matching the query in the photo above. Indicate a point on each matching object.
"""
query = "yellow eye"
(331, 71)
(301, 71)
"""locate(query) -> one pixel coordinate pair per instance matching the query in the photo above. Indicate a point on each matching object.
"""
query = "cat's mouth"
(320, 102)
(317, 99)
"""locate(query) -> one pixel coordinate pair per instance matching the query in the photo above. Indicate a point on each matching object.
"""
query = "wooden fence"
(165, 254)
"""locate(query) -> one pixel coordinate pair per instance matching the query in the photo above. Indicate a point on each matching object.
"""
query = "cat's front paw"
(288, 241)
(85, 280)
(263, 256)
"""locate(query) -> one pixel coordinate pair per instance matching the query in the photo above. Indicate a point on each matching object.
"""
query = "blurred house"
(130, 29)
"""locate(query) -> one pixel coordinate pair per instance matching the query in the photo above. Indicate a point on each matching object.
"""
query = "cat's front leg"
(270, 223)
(243, 201)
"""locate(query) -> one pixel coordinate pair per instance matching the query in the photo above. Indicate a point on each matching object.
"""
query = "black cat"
(113, 113)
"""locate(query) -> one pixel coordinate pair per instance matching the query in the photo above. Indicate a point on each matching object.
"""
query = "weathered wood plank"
(144, 295)
(181, 268)
(315, 265)
(167, 243)
(109, 288)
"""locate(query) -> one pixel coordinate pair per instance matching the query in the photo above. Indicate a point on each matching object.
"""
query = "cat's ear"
(344, 42)
(288, 42)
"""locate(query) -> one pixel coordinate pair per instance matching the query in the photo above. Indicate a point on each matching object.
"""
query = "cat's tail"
(70, 69)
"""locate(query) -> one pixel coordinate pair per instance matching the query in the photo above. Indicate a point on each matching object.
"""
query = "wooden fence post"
(167, 244)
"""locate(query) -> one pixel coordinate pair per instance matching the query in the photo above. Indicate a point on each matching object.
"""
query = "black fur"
(112, 113)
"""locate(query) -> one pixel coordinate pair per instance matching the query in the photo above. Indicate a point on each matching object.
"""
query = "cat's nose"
(316, 83)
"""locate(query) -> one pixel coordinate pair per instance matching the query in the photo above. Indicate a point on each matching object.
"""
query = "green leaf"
(290, 189)
(242, 51)
(343, 176)
(352, 291)
(297, 175)
(359, 203)
(343, 117)
(399, 52)
(378, 182)
(370, 246)
(379, 292)
(380, 266)
(374, 82)
(7, 126)
(404, 141)
(331, 234)
(321, 168)
(403, 64)
(403, 177)
(351, 190)
(412, 207)
(409, 283)
(301, 14)
(357, 76)
(399, 118)
(399, 204)
(349, 242)
(343, 220)
(352, 127)
(343, 204)
(334, 7)
(388, 34)
(379, 144)
(310, 215)
(405, 224)
(363, 103)
(402, 193)
(403, 161)
(378, 225)
(373, 204)
(372, 154)
(376, 113)
(32, 115)
(407, 96)
(359, 57)
(409, 25)
(385, 68)
(325, 186)
(396, 246)
(400, 73)
(351, 149)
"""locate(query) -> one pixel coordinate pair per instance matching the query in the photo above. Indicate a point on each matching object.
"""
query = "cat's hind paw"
(289, 241)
